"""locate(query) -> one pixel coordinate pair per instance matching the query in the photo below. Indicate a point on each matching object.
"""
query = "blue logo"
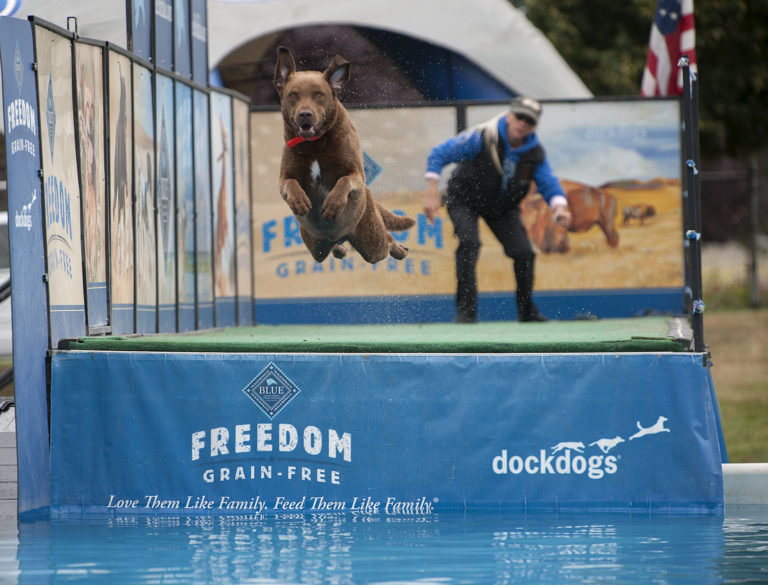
(371, 168)
(9, 7)
(271, 390)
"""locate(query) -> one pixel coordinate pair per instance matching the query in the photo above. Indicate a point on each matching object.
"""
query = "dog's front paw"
(332, 206)
(300, 205)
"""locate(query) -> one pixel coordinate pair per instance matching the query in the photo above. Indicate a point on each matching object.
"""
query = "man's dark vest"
(477, 183)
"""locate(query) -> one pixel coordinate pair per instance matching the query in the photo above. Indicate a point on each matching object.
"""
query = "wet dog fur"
(321, 173)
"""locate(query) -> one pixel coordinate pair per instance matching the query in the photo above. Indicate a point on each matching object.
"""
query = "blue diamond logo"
(371, 168)
(271, 390)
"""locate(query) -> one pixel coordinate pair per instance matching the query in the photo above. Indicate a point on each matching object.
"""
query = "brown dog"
(321, 172)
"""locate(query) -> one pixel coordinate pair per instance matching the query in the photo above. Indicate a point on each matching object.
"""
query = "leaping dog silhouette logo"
(578, 447)
(606, 445)
(657, 427)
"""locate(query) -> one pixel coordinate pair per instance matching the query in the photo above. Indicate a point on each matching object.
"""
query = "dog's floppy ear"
(337, 73)
(285, 66)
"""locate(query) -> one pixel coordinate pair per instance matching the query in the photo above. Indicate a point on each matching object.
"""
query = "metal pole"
(693, 227)
(754, 297)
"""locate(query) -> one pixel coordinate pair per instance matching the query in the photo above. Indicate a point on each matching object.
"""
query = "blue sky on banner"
(599, 142)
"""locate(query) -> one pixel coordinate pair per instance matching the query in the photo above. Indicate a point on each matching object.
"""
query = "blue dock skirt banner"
(30, 294)
(383, 434)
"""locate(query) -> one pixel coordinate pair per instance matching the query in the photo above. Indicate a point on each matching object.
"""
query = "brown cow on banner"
(588, 206)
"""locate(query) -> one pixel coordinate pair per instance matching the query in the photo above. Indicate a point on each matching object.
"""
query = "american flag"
(672, 36)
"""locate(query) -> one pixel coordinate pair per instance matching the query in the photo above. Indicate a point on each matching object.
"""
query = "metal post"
(693, 201)
(754, 297)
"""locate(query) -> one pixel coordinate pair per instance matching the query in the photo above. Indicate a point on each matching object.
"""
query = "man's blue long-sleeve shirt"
(469, 144)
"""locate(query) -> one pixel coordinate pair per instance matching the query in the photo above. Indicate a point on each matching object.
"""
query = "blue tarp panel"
(383, 434)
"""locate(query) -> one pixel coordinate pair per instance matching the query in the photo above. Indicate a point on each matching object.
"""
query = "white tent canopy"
(491, 33)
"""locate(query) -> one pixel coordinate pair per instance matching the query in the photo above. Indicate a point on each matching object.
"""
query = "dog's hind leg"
(376, 249)
(392, 221)
(397, 251)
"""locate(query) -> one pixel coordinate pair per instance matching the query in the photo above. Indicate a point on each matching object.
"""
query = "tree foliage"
(605, 42)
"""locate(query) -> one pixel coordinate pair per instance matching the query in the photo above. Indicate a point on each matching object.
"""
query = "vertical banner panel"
(185, 213)
(199, 41)
(224, 229)
(89, 76)
(27, 241)
(141, 28)
(121, 190)
(182, 41)
(61, 186)
(270, 219)
(163, 34)
(165, 133)
(144, 197)
(297, 433)
(242, 184)
(203, 230)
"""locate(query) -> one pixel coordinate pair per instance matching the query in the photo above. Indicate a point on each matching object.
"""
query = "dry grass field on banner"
(648, 255)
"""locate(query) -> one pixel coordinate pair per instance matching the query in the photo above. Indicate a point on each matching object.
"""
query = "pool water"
(445, 549)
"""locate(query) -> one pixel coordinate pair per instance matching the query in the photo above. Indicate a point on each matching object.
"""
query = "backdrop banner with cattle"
(619, 162)
(143, 202)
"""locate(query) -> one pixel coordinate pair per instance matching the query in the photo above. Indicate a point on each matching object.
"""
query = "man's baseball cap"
(526, 106)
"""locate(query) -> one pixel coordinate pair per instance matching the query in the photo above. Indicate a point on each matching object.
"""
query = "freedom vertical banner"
(242, 186)
(203, 234)
(223, 209)
(182, 43)
(29, 294)
(61, 188)
(140, 28)
(199, 42)
(121, 190)
(163, 34)
(89, 88)
(144, 197)
(165, 134)
(185, 210)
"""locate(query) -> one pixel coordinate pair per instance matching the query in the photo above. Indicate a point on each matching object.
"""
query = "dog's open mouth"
(307, 131)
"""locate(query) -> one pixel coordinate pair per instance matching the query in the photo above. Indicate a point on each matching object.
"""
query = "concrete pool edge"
(745, 483)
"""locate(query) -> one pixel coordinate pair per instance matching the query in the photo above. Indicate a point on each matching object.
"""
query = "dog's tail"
(394, 222)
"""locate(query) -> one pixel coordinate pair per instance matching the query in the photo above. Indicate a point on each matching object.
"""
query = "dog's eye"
(319, 95)
(293, 95)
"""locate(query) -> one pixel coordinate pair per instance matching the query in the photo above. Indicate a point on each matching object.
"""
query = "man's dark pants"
(506, 225)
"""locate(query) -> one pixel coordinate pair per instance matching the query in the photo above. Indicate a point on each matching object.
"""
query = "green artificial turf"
(646, 334)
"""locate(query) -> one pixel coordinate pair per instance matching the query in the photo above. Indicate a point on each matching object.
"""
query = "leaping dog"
(321, 173)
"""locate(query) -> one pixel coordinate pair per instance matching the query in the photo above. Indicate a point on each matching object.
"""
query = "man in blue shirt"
(496, 162)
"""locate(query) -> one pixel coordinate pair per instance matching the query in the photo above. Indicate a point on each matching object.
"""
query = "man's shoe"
(532, 317)
(464, 318)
